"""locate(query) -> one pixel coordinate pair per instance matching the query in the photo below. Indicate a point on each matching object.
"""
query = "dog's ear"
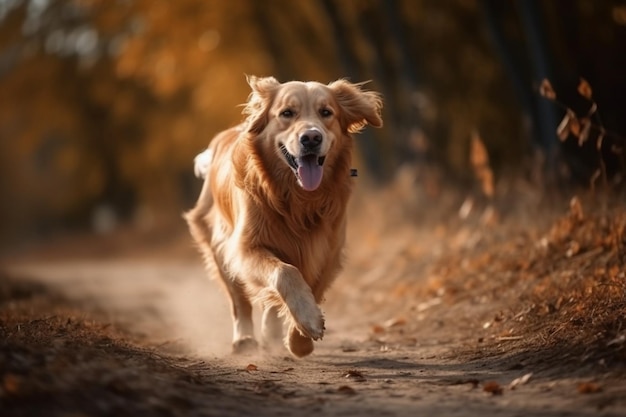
(358, 107)
(259, 102)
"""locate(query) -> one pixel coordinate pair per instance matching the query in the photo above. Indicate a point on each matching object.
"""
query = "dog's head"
(303, 122)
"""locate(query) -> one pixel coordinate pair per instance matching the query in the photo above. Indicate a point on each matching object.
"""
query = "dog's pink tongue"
(310, 172)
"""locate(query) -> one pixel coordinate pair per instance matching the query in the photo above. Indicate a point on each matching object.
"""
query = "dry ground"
(503, 313)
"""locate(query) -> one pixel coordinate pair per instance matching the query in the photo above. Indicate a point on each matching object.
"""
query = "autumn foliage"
(105, 103)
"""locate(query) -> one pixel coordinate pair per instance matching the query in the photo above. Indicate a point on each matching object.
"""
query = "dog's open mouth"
(309, 168)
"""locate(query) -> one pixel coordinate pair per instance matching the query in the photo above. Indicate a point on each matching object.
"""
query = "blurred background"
(105, 103)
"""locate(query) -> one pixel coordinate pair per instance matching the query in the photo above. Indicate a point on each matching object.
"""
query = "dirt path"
(146, 337)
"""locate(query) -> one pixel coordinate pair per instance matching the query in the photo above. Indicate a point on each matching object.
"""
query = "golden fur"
(272, 211)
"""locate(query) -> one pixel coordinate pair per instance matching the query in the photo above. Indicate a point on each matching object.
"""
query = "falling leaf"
(574, 126)
(546, 90)
(589, 388)
(584, 133)
(592, 109)
(479, 158)
(493, 388)
(522, 380)
(600, 140)
(346, 390)
(584, 89)
(563, 129)
(252, 367)
(466, 208)
(594, 178)
(478, 154)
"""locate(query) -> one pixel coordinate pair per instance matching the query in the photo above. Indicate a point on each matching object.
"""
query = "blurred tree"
(104, 103)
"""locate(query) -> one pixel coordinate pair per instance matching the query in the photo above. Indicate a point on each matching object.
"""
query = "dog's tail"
(196, 217)
(201, 163)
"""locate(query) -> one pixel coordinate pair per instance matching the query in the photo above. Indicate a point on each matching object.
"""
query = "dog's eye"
(287, 114)
(326, 113)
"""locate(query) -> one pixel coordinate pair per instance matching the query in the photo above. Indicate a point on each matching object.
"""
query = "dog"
(272, 211)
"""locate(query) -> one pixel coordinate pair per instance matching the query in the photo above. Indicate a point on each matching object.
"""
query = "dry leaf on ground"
(588, 388)
(522, 380)
(493, 388)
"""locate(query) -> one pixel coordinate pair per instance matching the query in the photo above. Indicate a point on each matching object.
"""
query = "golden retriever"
(272, 211)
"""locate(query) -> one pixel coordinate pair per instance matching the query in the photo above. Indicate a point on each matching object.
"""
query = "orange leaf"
(252, 367)
(584, 89)
(546, 90)
(11, 384)
(346, 390)
(493, 387)
(478, 152)
(377, 329)
(589, 388)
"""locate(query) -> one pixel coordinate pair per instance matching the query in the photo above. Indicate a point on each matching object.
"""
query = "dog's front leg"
(285, 283)
(307, 317)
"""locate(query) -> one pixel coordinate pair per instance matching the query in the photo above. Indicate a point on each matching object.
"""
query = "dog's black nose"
(311, 139)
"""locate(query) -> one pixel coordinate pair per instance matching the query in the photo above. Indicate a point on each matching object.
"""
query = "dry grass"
(539, 278)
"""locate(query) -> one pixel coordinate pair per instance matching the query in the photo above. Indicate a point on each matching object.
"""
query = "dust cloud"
(168, 303)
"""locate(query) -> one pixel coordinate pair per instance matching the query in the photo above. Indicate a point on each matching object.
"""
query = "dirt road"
(151, 337)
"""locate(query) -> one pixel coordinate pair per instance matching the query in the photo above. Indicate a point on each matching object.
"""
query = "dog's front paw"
(298, 344)
(309, 321)
(298, 297)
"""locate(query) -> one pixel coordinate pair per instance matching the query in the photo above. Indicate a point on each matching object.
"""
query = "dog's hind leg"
(271, 327)
(241, 312)
(241, 308)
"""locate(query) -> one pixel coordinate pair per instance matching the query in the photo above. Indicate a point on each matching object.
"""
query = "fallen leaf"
(354, 374)
(573, 249)
(11, 383)
(522, 380)
(619, 340)
(377, 329)
(395, 322)
(493, 388)
(576, 209)
(589, 388)
(252, 367)
(346, 390)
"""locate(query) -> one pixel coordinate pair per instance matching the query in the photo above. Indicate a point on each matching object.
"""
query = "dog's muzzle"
(308, 166)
